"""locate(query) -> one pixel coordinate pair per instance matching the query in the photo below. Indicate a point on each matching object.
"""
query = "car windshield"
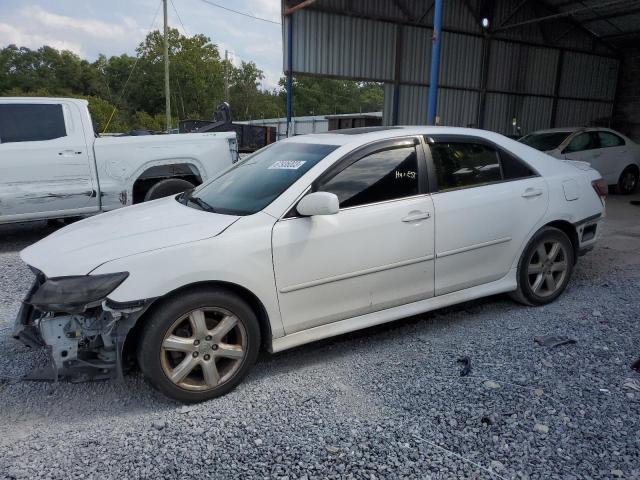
(253, 183)
(545, 141)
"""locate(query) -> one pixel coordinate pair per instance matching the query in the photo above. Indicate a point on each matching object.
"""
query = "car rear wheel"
(628, 182)
(164, 188)
(545, 267)
(200, 345)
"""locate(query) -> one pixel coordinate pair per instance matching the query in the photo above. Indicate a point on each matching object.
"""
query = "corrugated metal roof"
(416, 55)
(572, 113)
(530, 113)
(522, 68)
(615, 22)
(345, 46)
(357, 39)
(588, 76)
(461, 61)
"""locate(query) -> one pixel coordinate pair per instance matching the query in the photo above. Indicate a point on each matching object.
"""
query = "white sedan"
(311, 237)
(615, 156)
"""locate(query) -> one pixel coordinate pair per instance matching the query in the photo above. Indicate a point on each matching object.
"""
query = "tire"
(534, 267)
(628, 181)
(184, 352)
(165, 188)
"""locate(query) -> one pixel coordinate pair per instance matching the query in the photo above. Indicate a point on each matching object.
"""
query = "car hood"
(81, 247)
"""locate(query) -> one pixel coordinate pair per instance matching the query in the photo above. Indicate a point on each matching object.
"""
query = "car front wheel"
(545, 267)
(200, 345)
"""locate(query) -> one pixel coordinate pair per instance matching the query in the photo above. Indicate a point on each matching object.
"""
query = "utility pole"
(226, 76)
(166, 69)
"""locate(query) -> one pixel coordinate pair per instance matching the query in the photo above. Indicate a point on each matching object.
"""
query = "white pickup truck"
(53, 165)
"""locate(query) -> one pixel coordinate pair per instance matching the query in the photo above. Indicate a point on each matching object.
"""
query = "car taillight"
(601, 188)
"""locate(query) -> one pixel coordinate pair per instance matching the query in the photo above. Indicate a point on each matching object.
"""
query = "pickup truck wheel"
(200, 345)
(545, 267)
(165, 188)
(628, 182)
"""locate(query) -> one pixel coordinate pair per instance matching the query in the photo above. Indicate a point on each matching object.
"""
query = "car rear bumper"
(589, 231)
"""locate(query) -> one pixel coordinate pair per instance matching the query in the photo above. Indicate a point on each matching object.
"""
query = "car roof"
(43, 100)
(370, 134)
(558, 130)
(575, 129)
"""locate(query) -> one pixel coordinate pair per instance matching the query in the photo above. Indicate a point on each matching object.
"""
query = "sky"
(113, 27)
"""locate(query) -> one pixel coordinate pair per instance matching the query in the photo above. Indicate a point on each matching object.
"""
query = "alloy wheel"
(547, 268)
(203, 349)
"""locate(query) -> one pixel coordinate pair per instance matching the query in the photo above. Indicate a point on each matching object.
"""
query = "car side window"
(384, 175)
(608, 139)
(461, 165)
(31, 122)
(513, 168)
(581, 142)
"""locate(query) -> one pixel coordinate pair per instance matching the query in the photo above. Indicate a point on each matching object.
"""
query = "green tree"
(196, 78)
(322, 96)
(134, 87)
(247, 100)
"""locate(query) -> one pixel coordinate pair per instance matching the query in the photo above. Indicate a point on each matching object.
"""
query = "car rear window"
(545, 141)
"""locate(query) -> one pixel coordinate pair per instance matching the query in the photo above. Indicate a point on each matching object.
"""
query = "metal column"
(289, 72)
(396, 76)
(435, 63)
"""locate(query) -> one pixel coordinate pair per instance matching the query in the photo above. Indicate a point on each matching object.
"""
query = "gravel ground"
(525, 411)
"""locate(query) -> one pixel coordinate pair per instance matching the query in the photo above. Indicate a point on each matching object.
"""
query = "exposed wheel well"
(153, 175)
(571, 232)
(248, 296)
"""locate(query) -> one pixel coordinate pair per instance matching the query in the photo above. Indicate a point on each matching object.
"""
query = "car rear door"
(615, 154)
(486, 203)
(376, 253)
(45, 165)
(585, 147)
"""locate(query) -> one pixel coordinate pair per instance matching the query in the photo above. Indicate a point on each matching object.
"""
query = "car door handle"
(532, 192)
(69, 153)
(416, 216)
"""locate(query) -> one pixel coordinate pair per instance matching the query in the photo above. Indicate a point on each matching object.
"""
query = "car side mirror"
(319, 203)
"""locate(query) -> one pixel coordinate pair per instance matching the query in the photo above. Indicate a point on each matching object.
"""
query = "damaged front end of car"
(83, 331)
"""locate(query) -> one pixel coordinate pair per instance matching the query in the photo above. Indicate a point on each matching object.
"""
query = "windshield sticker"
(287, 165)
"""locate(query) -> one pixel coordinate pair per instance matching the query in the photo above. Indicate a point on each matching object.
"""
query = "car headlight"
(69, 294)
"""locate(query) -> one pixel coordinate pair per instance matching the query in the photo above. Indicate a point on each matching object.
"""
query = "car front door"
(45, 165)
(375, 253)
(486, 202)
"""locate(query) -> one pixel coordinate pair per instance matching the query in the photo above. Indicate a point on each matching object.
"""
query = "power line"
(240, 13)
(124, 87)
(179, 19)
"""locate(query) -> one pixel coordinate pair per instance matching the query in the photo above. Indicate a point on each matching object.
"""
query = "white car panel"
(505, 284)
(48, 176)
(240, 256)
(363, 259)
(608, 161)
(122, 233)
(79, 174)
(480, 230)
(306, 272)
